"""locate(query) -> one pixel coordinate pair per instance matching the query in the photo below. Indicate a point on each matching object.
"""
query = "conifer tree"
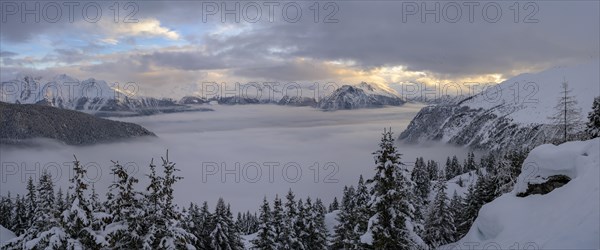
(567, 117)
(421, 189)
(278, 222)
(346, 236)
(60, 204)
(470, 164)
(78, 218)
(19, 221)
(43, 232)
(125, 206)
(390, 198)
(31, 201)
(265, 238)
(205, 224)
(469, 212)
(317, 238)
(432, 170)
(335, 205)
(439, 227)
(456, 207)
(362, 211)
(289, 234)
(593, 124)
(301, 225)
(6, 207)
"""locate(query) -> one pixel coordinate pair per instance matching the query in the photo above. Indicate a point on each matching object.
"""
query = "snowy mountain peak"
(362, 95)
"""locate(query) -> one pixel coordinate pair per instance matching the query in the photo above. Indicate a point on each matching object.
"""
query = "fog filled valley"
(244, 135)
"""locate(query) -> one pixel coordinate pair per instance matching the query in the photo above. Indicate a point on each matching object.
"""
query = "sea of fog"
(241, 153)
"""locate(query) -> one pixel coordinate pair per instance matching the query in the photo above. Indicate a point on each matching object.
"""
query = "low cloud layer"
(333, 147)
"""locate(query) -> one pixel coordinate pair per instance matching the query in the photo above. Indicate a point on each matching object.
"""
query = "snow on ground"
(566, 218)
(247, 240)
(330, 223)
(5, 235)
(532, 97)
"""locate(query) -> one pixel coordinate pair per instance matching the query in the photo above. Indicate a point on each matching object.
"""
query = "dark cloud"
(7, 53)
(369, 34)
(289, 71)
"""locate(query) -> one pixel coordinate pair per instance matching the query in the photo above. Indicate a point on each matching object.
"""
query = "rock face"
(191, 100)
(297, 101)
(552, 182)
(476, 128)
(27, 121)
(512, 114)
(363, 95)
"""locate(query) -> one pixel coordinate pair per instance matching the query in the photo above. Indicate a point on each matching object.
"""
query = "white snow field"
(5, 235)
(566, 218)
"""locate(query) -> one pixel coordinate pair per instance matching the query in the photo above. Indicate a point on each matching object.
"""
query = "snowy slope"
(568, 217)
(5, 235)
(512, 114)
(530, 98)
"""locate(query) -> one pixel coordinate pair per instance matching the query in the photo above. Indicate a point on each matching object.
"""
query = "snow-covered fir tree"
(469, 164)
(335, 205)
(265, 238)
(301, 226)
(205, 225)
(317, 232)
(289, 235)
(31, 201)
(78, 218)
(346, 236)
(224, 236)
(125, 206)
(456, 207)
(6, 206)
(278, 222)
(439, 226)
(422, 186)
(362, 210)
(43, 232)
(164, 229)
(432, 169)
(469, 212)
(390, 201)
(19, 220)
(593, 123)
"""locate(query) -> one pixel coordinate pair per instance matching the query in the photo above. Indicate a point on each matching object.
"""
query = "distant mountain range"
(513, 114)
(96, 97)
(20, 123)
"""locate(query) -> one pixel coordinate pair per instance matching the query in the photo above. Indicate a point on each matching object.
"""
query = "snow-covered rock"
(567, 217)
(514, 113)
(363, 95)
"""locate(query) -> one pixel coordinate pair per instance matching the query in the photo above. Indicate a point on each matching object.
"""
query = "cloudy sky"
(169, 48)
